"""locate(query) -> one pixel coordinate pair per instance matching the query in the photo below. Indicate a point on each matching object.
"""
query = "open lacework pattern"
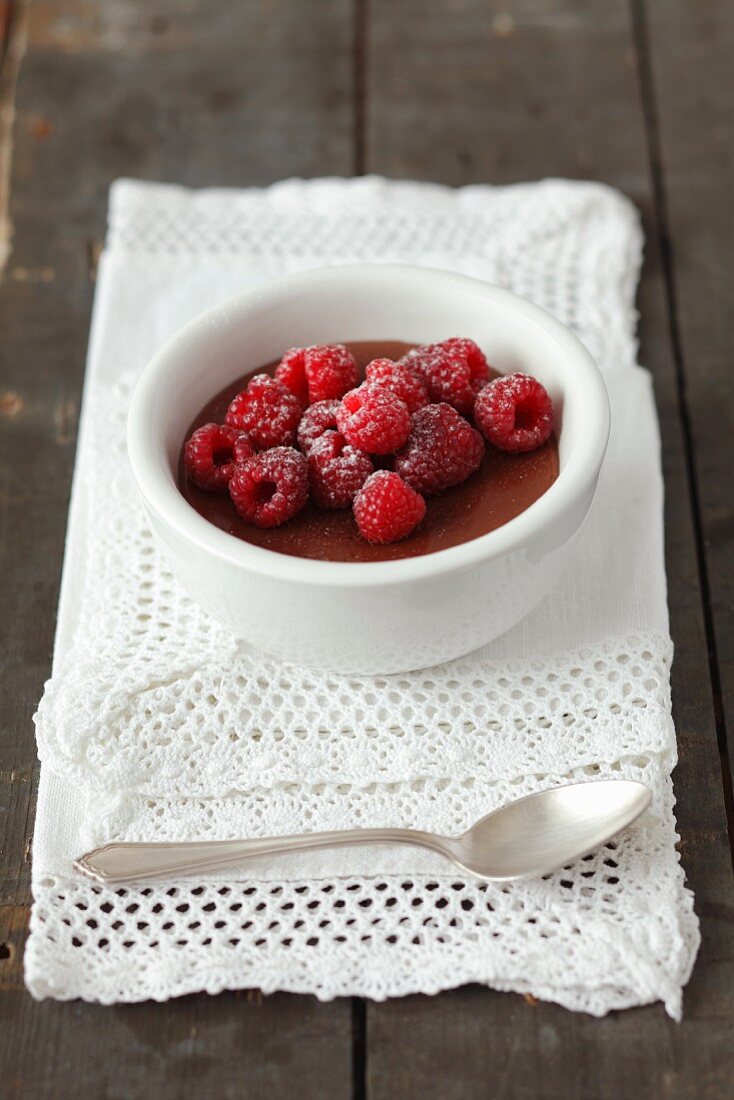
(158, 725)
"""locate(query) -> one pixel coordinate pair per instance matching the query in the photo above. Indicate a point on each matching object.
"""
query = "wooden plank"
(502, 94)
(203, 93)
(226, 1046)
(691, 47)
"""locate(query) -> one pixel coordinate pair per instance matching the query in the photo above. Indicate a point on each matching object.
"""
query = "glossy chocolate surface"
(503, 487)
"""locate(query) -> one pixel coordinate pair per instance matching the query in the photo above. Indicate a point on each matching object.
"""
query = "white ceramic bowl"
(372, 617)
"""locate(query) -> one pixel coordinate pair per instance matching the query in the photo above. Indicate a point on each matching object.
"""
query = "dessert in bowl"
(311, 590)
(491, 486)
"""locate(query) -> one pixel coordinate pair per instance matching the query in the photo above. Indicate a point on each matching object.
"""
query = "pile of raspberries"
(379, 447)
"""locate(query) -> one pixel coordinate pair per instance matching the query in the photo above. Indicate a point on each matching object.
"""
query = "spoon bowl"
(533, 835)
(541, 832)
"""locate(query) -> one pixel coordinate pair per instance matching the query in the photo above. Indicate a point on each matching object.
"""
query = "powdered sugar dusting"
(442, 450)
(336, 470)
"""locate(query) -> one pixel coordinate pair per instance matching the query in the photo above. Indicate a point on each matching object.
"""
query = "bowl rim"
(163, 498)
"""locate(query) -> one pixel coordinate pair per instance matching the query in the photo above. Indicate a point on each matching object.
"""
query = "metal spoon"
(530, 836)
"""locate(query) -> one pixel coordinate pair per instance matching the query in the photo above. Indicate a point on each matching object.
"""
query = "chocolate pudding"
(503, 487)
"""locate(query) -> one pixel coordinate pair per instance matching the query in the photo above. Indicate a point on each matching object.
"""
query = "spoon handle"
(121, 862)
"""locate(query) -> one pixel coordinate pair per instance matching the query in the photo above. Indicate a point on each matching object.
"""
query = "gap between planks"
(662, 226)
(359, 77)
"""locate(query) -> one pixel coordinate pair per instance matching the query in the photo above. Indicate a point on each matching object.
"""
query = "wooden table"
(638, 94)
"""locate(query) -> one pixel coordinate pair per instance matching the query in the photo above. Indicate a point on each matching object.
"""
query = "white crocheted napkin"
(158, 725)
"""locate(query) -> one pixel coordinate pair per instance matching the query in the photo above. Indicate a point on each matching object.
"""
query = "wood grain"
(692, 46)
(514, 92)
(202, 93)
(473, 91)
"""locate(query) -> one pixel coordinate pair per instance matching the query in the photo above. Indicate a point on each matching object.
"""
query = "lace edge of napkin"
(378, 937)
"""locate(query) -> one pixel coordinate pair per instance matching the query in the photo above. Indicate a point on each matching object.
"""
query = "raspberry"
(386, 509)
(336, 470)
(291, 373)
(442, 450)
(267, 411)
(404, 383)
(211, 453)
(454, 371)
(331, 371)
(319, 373)
(374, 419)
(515, 413)
(271, 488)
(316, 420)
(243, 449)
